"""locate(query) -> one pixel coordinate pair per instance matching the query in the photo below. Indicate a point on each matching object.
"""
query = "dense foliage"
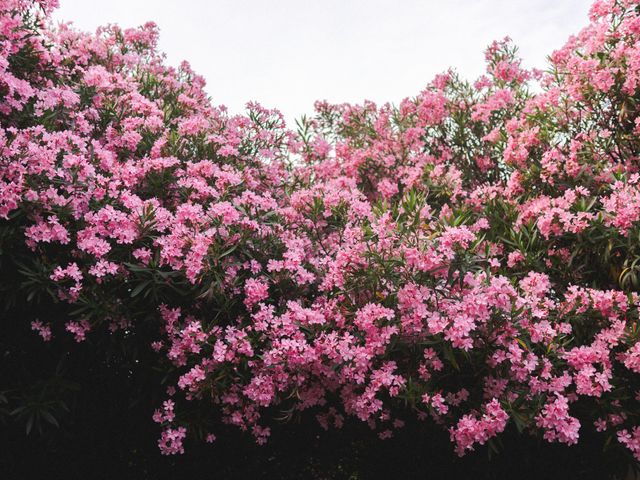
(469, 258)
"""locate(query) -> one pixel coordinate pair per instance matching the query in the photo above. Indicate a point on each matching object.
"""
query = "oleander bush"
(467, 260)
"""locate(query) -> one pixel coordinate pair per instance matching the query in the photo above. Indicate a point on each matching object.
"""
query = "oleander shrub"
(468, 259)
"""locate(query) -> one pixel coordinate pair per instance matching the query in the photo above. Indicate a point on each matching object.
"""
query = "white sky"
(289, 53)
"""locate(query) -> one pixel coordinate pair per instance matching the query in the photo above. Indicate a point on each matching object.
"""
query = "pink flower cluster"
(470, 430)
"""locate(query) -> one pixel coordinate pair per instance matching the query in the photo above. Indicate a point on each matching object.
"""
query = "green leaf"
(50, 418)
(136, 291)
(228, 251)
(29, 425)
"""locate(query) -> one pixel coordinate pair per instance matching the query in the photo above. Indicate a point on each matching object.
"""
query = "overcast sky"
(289, 53)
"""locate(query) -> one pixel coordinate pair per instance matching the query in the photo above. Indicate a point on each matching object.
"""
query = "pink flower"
(255, 291)
(79, 329)
(558, 424)
(631, 440)
(514, 258)
(387, 188)
(470, 429)
(43, 330)
(171, 440)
